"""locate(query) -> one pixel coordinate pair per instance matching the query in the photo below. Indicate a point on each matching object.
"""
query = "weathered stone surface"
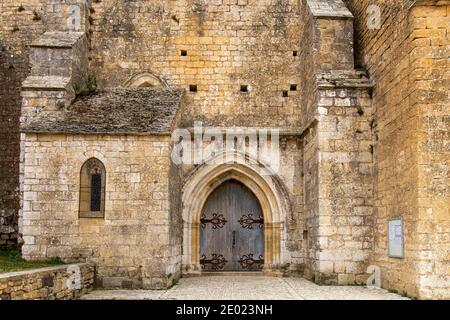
(329, 8)
(46, 83)
(137, 242)
(357, 147)
(52, 283)
(114, 111)
(55, 39)
(411, 109)
(58, 73)
(14, 68)
(236, 288)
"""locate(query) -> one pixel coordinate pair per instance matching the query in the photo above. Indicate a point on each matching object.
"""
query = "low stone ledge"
(329, 9)
(64, 282)
(57, 39)
(343, 79)
(46, 83)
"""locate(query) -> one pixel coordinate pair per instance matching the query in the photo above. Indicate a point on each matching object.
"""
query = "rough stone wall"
(408, 58)
(309, 144)
(291, 174)
(175, 222)
(337, 141)
(17, 30)
(338, 187)
(430, 59)
(310, 235)
(132, 245)
(344, 229)
(309, 48)
(228, 43)
(58, 70)
(48, 283)
(10, 149)
(20, 24)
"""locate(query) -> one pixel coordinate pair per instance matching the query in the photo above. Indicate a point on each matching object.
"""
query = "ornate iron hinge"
(218, 221)
(247, 221)
(217, 261)
(247, 262)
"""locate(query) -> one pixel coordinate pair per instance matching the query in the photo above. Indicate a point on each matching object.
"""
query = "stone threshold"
(234, 274)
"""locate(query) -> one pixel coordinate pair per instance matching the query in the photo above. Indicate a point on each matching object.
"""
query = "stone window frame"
(90, 167)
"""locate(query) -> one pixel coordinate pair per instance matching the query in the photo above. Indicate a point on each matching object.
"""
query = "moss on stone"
(11, 261)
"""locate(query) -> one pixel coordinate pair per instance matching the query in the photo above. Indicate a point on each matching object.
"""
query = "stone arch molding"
(268, 189)
(145, 80)
(91, 153)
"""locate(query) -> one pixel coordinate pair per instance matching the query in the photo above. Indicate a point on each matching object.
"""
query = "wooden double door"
(232, 230)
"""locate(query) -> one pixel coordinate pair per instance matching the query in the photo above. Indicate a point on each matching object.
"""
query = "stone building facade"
(356, 90)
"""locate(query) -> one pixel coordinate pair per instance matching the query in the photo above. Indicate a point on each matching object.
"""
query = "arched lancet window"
(92, 189)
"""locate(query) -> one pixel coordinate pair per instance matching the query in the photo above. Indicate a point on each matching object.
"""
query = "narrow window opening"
(92, 189)
(285, 94)
(96, 192)
(295, 53)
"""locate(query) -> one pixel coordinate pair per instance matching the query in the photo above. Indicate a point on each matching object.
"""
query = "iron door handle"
(234, 239)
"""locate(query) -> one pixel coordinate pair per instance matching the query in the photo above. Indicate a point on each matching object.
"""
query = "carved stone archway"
(145, 80)
(268, 189)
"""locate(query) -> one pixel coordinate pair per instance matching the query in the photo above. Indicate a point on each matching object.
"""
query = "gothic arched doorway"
(232, 230)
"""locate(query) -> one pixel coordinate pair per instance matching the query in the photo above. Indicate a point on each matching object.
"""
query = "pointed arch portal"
(267, 189)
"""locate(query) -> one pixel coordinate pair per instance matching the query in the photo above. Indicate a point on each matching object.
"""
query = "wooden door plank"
(230, 202)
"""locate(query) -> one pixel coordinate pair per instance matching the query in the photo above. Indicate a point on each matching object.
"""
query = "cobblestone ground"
(246, 288)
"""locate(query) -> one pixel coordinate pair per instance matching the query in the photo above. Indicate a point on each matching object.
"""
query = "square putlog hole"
(295, 53)
(285, 94)
(193, 88)
(293, 87)
(305, 235)
(184, 53)
(244, 88)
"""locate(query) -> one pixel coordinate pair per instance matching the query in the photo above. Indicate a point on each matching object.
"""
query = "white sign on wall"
(395, 238)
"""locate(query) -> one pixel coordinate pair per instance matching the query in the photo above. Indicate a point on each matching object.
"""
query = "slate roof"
(113, 111)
